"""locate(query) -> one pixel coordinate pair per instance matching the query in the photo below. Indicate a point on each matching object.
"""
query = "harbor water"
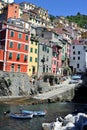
(54, 110)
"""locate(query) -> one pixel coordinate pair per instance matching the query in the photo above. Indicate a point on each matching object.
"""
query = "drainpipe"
(5, 51)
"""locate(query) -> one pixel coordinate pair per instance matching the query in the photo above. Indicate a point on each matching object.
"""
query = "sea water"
(53, 110)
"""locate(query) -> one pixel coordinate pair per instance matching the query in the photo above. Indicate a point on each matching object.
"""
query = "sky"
(60, 7)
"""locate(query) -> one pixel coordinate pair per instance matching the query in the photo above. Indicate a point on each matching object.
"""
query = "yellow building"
(33, 56)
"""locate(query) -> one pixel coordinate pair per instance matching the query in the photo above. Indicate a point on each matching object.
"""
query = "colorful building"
(33, 53)
(14, 45)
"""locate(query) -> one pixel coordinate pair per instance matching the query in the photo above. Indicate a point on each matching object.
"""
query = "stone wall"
(65, 96)
(16, 83)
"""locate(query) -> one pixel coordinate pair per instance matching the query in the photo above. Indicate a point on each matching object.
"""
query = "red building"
(14, 45)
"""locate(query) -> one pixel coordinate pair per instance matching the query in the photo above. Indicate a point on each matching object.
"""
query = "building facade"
(45, 59)
(78, 58)
(14, 44)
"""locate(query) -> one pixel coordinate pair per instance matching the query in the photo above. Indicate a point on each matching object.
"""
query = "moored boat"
(35, 113)
(21, 115)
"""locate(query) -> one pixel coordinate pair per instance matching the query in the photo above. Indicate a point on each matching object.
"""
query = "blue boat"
(21, 115)
(35, 113)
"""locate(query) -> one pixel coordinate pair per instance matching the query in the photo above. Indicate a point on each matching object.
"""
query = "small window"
(35, 59)
(19, 68)
(10, 55)
(44, 48)
(47, 58)
(30, 59)
(26, 47)
(31, 49)
(36, 51)
(77, 65)
(78, 58)
(12, 67)
(31, 42)
(25, 58)
(26, 37)
(47, 50)
(73, 47)
(73, 52)
(47, 68)
(73, 58)
(18, 56)
(12, 34)
(54, 62)
(11, 44)
(78, 52)
(19, 46)
(19, 35)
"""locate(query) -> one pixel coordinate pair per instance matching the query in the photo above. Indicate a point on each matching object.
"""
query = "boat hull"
(35, 113)
(21, 116)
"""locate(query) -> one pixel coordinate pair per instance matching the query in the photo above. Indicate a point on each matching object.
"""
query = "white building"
(78, 57)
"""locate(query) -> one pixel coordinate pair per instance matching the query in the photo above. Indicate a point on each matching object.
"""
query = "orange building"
(14, 46)
(13, 11)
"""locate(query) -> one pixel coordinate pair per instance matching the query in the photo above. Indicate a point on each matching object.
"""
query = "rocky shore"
(69, 122)
(58, 92)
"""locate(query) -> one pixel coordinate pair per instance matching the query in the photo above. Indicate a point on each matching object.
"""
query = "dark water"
(53, 111)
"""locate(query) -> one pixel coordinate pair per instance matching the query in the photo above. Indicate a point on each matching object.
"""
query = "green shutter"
(30, 59)
(26, 37)
(11, 44)
(10, 55)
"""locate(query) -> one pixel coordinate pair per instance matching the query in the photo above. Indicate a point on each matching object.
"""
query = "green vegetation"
(52, 17)
(80, 19)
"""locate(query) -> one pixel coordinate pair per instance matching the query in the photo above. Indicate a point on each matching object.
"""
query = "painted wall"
(34, 55)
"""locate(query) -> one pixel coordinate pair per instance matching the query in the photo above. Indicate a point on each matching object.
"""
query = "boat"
(21, 115)
(35, 113)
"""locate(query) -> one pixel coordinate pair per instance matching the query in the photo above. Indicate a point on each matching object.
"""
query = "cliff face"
(14, 84)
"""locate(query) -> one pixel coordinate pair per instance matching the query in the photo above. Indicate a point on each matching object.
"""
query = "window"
(35, 59)
(54, 62)
(31, 42)
(12, 67)
(31, 49)
(47, 68)
(47, 50)
(26, 47)
(11, 44)
(73, 58)
(12, 34)
(18, 68)
(10, 55)
(43, 68)
(47, 58)
(18, 56)
(78, 58)
(26, 37)
(73, 47)
(35, 50)
(30, 59)
(73, 52)
(25, 58)
(77, 65)
(78, 52)
(44, 48)
(19, 35)
(19, 46)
